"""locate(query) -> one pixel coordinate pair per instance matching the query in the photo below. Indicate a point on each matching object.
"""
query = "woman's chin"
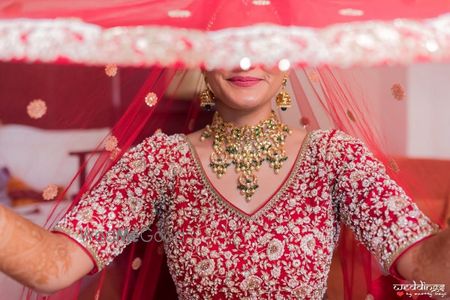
(245, 100)
(244, 104)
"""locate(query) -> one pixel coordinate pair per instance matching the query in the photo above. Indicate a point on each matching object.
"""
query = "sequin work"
(283, 251)
(369, 43)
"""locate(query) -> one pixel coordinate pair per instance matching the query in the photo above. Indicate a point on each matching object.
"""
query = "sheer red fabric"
(141, 271)
(145, 33)
(299, 13)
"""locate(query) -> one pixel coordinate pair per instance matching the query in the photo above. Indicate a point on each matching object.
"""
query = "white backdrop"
(419, 125)
(41, 157)
(429, 111)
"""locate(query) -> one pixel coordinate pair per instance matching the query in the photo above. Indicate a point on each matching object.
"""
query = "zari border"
(411, 239)
(368, 43)
(99, 265)
(270, 202)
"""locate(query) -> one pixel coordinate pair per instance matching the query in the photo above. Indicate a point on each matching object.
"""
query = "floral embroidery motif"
(282, 252)
(151, 99)
(50, 192)
(251, 283)
(111, 143)
(308, 244)
(300, 292)
(398, 91)
(136, 264)
(111, 70)
(36, 109)
(205, 267)
(138, 166)
(86, 215)
(275, 249)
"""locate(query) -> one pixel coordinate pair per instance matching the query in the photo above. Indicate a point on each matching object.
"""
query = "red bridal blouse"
(216, 251)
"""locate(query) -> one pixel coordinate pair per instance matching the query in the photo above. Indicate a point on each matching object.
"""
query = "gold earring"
(283, 99)
(207, 98)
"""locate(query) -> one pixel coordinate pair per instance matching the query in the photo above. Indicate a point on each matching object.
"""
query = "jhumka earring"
(283, 99)
(207, 98)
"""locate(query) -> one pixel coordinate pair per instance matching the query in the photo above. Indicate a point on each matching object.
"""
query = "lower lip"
(245, 83)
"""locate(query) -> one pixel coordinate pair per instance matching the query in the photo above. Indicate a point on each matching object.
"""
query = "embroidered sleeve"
(373, 205)
(121, 206)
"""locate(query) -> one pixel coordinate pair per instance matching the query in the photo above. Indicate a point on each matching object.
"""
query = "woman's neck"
(244, 117)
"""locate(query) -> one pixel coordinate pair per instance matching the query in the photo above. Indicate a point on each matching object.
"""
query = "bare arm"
(44, 261)
(428, 261)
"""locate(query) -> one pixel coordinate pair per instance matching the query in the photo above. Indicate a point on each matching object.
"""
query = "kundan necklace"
(246, 147)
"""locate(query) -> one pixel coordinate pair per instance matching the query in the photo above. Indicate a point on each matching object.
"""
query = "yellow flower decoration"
(111, 70)
(37, 108)
(151, 99)
(50, 192)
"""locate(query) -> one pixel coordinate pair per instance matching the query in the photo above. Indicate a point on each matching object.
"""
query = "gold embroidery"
(284, 249)
(402, 244)
(270, 202)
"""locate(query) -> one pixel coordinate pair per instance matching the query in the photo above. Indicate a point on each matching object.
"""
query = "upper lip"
(243, 78)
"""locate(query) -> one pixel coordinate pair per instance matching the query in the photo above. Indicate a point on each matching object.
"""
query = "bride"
(259, 206)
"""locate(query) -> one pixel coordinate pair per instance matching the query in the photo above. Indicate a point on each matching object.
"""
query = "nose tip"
(239, 69)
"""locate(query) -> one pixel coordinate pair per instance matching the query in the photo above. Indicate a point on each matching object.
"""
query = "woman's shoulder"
(320, 138)
(336, 145)
(330, 137)
(164, 139)
(164, 144)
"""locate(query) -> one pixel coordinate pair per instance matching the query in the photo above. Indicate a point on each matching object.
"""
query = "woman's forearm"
(431, 260)
(32, 255)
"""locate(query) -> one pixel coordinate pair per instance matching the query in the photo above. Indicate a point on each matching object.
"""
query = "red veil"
(151, 52)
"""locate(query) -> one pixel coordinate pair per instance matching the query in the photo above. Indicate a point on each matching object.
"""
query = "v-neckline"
(269, 202)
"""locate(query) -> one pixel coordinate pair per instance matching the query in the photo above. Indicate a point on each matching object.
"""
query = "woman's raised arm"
(95, 229)
(384, 218)
(42, 260)
(428, 261)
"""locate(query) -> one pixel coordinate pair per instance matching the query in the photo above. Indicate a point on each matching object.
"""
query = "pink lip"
(244, 81)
